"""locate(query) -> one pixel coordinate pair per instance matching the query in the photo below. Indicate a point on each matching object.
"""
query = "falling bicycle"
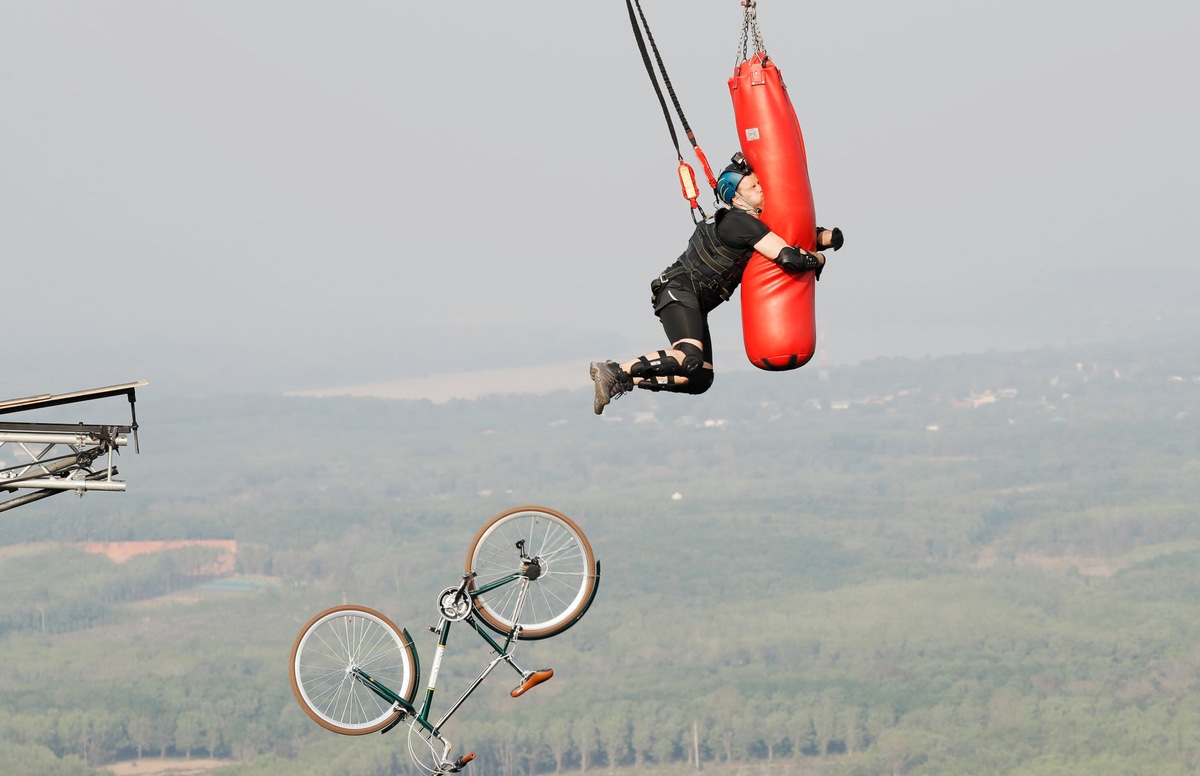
(530, 574)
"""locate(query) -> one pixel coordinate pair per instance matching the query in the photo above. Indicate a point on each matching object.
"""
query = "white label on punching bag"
(752, 133)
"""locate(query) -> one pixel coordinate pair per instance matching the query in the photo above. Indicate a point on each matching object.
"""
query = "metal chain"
(750, 32)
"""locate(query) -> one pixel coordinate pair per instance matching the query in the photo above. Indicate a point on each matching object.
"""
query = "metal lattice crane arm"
(60, 457)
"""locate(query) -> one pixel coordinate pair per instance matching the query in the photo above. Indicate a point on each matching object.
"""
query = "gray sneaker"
(610, 381)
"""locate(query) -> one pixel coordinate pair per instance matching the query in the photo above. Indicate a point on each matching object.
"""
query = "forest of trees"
(979, 564)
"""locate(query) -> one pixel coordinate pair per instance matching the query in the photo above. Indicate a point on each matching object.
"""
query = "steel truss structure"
(62, 457)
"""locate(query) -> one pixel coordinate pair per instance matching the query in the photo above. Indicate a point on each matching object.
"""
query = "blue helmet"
(731, 176)
(727, 185)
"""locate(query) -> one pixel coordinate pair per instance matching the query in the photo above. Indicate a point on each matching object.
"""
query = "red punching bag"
(778, 313)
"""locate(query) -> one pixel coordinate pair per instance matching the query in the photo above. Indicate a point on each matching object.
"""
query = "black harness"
(712, 266)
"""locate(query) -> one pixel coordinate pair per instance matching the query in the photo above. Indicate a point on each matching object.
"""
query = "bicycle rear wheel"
(535, 569)
(328, 653)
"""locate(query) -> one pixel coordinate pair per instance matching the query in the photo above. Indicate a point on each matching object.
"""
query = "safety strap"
(687, 177)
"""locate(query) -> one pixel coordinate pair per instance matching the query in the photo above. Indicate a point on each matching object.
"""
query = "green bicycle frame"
(504, 654)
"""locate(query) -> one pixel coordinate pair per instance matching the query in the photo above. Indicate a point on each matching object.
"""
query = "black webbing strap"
(637, 34)
(641, 41)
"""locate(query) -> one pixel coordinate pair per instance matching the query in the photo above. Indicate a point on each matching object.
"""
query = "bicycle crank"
(454, 604)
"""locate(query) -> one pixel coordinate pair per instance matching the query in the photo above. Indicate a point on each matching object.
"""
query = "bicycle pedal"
(532, 679)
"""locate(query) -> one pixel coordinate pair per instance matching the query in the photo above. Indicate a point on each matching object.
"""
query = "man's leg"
(681, 369)
(687, 367)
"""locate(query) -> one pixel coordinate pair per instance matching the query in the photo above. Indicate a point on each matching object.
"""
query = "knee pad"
(693, 360)
(698, 382)
(661, 364)
(660, 373)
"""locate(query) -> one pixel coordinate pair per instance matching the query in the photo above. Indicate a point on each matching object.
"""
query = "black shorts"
(682, 315)
(677, 291)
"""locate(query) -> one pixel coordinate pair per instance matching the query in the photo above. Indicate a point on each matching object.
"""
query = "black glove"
(799, 260)
(835, 241)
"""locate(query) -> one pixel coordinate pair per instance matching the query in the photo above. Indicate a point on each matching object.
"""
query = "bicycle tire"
(559, 590)
(336, 641)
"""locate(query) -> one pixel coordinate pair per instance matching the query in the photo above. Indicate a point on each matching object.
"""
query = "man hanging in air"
(706, 275)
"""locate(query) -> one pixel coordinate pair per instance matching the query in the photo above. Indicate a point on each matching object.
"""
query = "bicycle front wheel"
(533, 568)
(331, 659)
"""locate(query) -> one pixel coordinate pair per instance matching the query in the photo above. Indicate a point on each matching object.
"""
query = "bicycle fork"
(404, 709)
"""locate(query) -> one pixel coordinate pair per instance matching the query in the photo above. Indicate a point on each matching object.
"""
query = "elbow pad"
(798, 260)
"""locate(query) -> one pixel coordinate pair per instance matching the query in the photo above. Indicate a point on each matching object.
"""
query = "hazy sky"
(188, 187)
